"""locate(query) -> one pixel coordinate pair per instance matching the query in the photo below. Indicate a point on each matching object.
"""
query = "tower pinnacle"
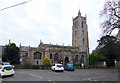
(79, 13)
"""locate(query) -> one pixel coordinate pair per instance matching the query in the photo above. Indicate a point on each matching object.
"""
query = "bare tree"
(111, 17)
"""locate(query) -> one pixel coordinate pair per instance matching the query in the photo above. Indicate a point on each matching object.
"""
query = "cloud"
(48, 20)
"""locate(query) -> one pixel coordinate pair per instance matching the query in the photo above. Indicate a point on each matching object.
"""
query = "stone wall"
(66, 54)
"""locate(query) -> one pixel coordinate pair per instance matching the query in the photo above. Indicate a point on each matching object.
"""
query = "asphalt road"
(51, 76)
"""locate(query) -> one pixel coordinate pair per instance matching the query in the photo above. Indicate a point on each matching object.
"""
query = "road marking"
(35, 76)
(90, 79)
(95, 80)
(99, 77)
(49, 80)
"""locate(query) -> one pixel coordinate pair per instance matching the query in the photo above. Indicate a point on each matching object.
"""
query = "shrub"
(47, 61)
(35, 66)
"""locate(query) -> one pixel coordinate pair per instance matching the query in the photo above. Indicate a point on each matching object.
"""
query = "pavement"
(83, 75)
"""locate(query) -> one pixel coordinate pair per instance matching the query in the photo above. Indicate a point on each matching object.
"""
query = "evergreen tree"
(109, 47)
(11, 54)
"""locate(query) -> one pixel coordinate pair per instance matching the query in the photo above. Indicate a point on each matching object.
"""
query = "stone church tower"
(75, 54)
(80, 33)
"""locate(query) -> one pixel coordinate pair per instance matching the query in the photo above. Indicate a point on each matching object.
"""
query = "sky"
(47, 20)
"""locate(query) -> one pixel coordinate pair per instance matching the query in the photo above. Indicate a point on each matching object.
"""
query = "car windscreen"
(70, 65)
(5, 63)
(59, 65)
(8, 68)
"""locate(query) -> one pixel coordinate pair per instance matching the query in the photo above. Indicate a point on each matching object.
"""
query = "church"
(76, 54)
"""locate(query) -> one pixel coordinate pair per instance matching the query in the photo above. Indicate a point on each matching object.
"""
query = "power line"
(15, 5)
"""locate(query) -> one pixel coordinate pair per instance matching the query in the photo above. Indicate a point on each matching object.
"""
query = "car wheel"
(2, 76)
(54, 70)
(12, 75)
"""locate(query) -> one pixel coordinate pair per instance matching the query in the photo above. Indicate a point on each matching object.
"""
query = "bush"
(18, 66)
(27, 65)
(47, 61)
(30, 66)
(35, 66)
(46, 66)
(77, 67)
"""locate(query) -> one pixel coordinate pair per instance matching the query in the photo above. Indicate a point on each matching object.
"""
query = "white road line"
(95, 80)
(35, 76)
(89, 79)
(99, 77)
(49, 80)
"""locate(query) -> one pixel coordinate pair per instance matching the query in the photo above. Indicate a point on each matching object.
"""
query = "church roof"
(56, 46)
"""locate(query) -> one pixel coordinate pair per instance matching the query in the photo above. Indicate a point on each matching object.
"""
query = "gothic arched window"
(82, 24)
(76, 58)
(66, 60)
(82, 32)
(75, 41)
(75, 33)
(50, 56)
(37, 55)
(82, 59)
(83, 41)
(56, 57)
(37, 62)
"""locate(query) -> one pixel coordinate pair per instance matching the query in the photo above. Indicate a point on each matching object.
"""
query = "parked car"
(6, 63)
(6, 70)
(57, 67)
(69, 67)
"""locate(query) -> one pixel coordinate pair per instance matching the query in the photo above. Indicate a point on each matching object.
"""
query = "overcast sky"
(48, 20)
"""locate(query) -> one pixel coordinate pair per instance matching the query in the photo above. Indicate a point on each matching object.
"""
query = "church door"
(82, 59)
(66, 60)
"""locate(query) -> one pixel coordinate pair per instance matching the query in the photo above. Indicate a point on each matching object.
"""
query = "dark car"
(69, 67)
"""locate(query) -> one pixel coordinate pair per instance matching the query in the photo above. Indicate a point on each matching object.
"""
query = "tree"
(111, 16)
(11, 54)
(94, 58)
(109, 47)
(47, 61)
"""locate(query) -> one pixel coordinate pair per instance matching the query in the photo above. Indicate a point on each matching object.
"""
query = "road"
(51, 76)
